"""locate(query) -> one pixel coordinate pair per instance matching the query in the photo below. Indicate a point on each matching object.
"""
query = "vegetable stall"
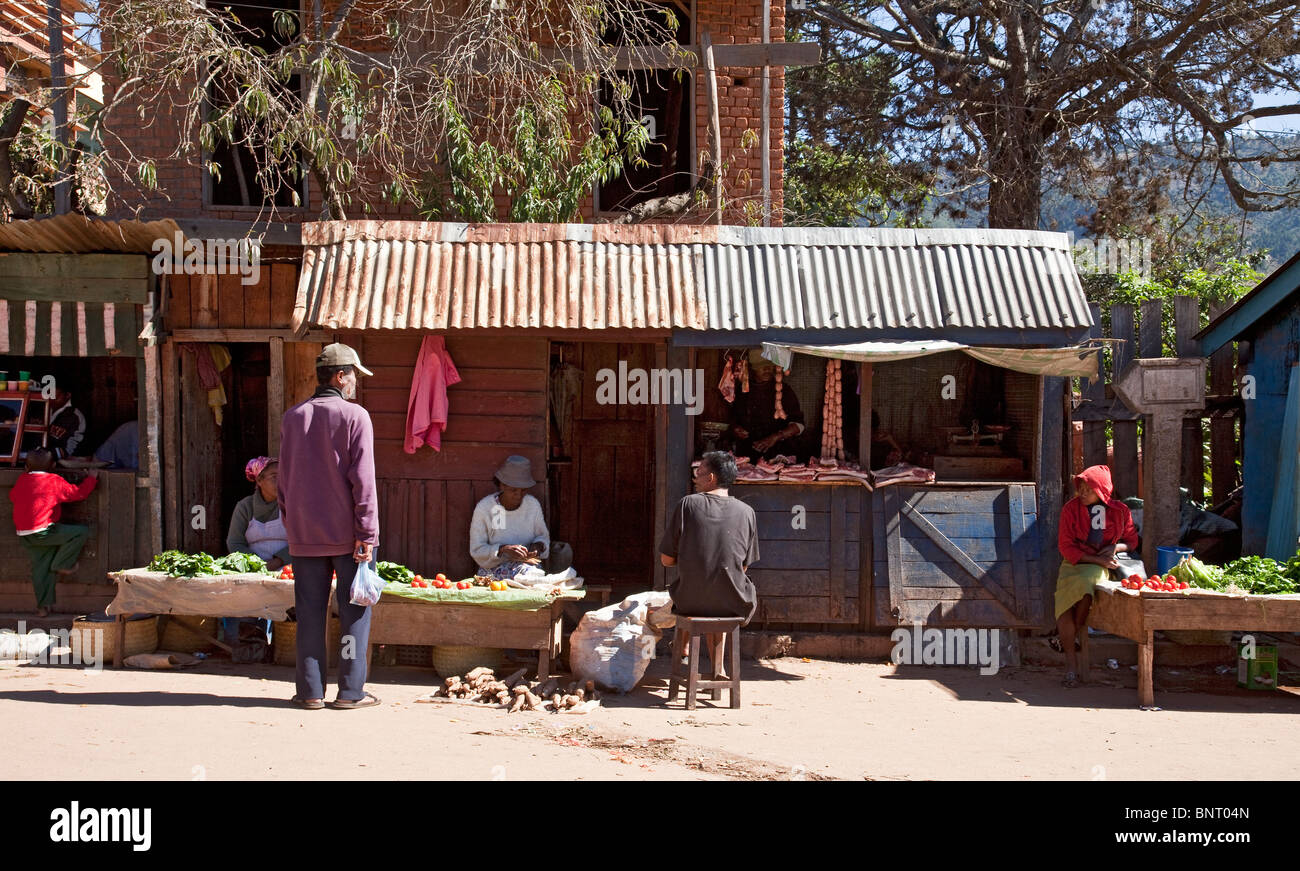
(474, 612)
(1253, 593)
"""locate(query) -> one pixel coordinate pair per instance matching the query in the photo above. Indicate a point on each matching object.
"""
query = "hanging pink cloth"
(426, 411)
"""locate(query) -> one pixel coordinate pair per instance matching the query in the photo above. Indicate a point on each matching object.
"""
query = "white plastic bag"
(613, 645)
(366, 585)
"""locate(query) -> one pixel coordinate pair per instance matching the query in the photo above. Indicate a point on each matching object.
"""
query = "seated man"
(508, 534)
(712, 538)
(767, 420)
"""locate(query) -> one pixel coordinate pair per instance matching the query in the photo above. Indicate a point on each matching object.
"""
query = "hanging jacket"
(1076, 519)
(427, 409)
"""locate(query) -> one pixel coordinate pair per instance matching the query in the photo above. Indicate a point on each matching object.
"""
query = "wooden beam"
(866, 536)
(754, 54)
(275, 396)
(248, 335)
(168, 405)
(662, 460)
(715, 126)
(73, 288)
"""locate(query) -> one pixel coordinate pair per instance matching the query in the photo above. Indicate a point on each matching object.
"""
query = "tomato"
(440, 576)
(1183, 585)
(463, 585)
(418, 579)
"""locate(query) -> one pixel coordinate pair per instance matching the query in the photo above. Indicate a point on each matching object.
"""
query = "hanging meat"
(779, 413)
(833, 413)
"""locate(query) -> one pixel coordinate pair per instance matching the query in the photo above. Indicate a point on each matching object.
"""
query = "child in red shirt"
(52, 546)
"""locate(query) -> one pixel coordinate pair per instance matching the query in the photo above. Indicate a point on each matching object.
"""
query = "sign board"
(1163, 384)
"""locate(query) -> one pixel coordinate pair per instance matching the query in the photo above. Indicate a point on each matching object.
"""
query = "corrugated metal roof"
(398, 275)
(867, 278)
(76, 234)
(412, 275)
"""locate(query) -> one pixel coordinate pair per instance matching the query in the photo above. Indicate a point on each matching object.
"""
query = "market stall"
(477, 616)
(1139, 614)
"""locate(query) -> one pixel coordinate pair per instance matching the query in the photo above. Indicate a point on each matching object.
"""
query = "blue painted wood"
(792, 609)
(960, 500)
(1284, 521)
(956, 554)
(785, 582)
(1016, 517)
(918, 548)
(890, 545)
(1273, 352)
(782, 497)
(946, 573)
(775, 526)
(839, 569)
(1245, 315)
(805, 555)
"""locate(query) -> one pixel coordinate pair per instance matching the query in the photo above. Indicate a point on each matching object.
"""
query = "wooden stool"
(691, 628)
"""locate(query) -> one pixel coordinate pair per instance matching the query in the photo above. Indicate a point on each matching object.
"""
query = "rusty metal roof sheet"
(76, 234)
(396, 275)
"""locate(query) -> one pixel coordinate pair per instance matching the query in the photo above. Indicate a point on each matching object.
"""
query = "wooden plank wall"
(810, 574)
(1143, 336)
(426, 499)
(221, 301)
(934, 588)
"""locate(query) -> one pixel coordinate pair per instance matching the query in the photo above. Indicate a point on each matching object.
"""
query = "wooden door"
(959, 556)
(605, 497)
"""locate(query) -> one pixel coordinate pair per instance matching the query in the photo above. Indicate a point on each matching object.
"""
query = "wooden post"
(1124, 464)
(275, 396)
(715, 125)
(1187, 323)
(1146, 667)
(660, 573)
(866, 525)
(171, 458)
(1223, 435)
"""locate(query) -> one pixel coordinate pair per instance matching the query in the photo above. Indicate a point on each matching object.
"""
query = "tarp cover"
(510, 599)
(140, 591)
(1078, 362)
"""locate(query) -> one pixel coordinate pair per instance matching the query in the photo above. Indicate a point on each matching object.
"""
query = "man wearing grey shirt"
(712, 539)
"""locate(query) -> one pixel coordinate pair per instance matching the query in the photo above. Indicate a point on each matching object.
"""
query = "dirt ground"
(801, 720)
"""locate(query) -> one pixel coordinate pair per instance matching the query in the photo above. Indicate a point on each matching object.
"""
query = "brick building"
(188, 192)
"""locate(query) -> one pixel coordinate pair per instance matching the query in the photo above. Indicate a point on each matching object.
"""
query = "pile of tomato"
(1167, 584)
(439, 582)
(286, 573)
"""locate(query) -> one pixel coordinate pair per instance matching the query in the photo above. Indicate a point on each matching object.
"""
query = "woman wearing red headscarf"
(1094, 528)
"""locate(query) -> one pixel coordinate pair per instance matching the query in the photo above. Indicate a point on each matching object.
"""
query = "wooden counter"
(1138, 616)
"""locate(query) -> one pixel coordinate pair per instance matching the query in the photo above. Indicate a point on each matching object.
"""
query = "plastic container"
(23, 375)
(1259, 673)
(1168, 557)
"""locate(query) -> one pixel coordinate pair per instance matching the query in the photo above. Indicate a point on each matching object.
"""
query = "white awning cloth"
(1077, 362)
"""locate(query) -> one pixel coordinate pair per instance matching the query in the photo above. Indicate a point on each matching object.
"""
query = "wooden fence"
(1096, 405)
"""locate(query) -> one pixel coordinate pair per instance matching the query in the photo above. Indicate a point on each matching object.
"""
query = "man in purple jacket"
(330, 513)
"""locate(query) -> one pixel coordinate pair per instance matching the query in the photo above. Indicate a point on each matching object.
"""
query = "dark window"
(238, 184)
(663, 101)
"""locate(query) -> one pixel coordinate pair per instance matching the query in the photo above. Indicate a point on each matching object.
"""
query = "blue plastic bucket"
(1168, 557)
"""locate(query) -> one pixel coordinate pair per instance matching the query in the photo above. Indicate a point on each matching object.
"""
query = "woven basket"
(449, 660)
(174, 637)
(141, 636)
(284, 642)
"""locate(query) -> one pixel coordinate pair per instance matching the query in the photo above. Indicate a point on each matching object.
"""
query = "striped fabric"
(69, 329)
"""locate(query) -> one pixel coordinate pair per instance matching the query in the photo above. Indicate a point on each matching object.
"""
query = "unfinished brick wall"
(740, 110)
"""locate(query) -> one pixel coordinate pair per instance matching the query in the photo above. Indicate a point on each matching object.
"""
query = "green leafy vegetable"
(187, 565)
(242, 563)
(390, 572)
(1260, 575)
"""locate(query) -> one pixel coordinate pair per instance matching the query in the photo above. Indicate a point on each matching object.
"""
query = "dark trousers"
(311, 590)
(57, 547)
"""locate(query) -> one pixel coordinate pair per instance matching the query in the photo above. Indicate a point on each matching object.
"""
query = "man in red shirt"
(53, 546)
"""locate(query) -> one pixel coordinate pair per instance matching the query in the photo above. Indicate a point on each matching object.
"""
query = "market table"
(140, 591)
(519, 619)
(1138, 615)
(476, 618)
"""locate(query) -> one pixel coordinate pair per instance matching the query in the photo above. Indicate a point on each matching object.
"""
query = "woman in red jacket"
(53, 546)
(1094, 528)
